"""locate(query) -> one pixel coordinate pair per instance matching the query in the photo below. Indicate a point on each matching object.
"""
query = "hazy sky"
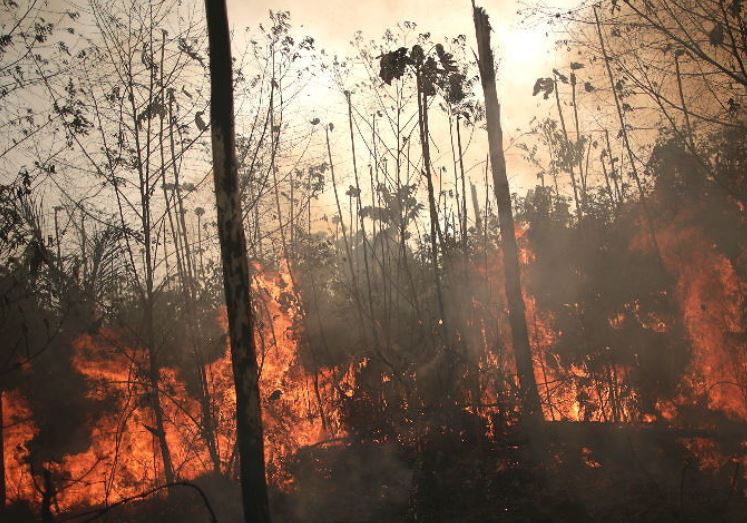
(525, 52)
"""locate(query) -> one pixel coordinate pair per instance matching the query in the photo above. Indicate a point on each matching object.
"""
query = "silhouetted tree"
(519, 334)
(235, 269)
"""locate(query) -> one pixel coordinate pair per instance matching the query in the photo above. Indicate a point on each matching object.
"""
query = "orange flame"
(124, 458)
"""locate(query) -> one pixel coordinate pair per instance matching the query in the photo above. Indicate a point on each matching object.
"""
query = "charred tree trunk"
(463, 217)
(148, 299)
(235, 269)
(519, 334)
(435, 231)
(155, 394)
(47, 497)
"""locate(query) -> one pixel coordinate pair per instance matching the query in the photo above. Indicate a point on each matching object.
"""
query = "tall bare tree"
(519, 334)
(235, 268)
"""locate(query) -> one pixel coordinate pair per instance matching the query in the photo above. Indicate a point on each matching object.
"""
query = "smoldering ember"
(373, 262)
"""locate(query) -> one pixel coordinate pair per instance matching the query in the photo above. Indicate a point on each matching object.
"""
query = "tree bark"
(530, 401)
(235, 269)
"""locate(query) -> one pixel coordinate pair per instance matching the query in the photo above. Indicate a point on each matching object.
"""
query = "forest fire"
(299, 408)
(398, 300)
(710, 296)
(304, 409)
(121, 457)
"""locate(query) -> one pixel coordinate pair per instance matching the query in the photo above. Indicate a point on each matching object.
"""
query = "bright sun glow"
(524, 47)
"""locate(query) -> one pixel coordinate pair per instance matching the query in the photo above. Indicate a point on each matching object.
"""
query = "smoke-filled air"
(373, 262)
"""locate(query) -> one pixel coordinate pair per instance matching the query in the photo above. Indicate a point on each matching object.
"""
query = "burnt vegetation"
(449, 320)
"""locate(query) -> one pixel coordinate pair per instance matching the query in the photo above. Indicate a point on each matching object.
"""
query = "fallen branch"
(97, 513)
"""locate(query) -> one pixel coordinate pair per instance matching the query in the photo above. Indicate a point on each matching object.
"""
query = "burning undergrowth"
(111, 451)
(377, 408)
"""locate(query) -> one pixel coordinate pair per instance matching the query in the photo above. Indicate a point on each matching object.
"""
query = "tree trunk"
(568, 142)
(155, 394)
(235, 269)
(519, 335)
(582, 173)
(463, 217)
(154, 367)
(47, 497)
(435, 231)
